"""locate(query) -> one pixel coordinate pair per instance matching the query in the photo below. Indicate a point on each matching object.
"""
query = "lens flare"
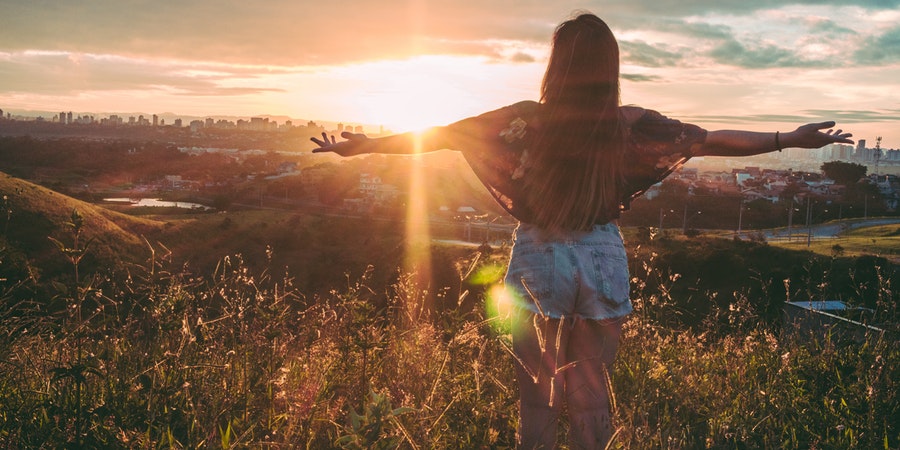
(417, 254)
(498, 305)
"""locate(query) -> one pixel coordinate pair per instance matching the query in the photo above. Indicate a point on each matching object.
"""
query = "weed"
(161, 357)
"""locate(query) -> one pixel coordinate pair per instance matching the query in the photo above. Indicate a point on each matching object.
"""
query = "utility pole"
(790, 218)
(808, 223)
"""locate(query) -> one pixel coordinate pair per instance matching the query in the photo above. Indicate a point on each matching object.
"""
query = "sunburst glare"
(417, 255)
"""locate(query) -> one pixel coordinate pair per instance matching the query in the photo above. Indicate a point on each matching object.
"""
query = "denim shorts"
(570, 274)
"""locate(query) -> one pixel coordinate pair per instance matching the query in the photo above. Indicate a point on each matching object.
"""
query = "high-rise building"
(155, 120)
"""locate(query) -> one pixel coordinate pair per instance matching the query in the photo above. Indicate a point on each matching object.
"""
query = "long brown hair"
(576, 173)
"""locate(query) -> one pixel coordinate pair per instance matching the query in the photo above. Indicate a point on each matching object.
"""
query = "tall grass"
(160, 358)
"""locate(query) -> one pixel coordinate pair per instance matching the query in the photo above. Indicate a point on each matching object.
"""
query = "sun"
(417, 93)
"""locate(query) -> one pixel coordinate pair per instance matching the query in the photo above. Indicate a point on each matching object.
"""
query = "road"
(824, 230)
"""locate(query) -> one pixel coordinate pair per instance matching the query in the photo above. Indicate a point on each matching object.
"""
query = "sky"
(758, 65)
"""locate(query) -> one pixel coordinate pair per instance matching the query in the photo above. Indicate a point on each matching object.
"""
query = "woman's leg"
(536, 341)
(591, 350)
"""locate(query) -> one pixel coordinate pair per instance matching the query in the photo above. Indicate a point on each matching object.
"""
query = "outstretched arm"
(399, 144)
(747, 143)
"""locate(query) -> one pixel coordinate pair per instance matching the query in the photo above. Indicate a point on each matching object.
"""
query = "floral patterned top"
(496, 145)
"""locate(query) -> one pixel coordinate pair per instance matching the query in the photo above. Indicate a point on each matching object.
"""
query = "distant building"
(372, 188)
(259, 123)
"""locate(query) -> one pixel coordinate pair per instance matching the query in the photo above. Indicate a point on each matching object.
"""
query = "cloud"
(699, 30)
(59, 73)
(884, 48)
(829, 28)
(807, 116)
(852, 116)
(520, 57)
(291, 33)
(643, 54)
(272, 32)
(683, 8)
(760, 56)
(640, 78)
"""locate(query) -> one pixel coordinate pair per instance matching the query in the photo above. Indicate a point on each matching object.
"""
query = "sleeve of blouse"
(657, 146)
(494, 146)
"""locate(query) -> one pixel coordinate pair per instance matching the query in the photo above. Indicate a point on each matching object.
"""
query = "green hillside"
(32, 213)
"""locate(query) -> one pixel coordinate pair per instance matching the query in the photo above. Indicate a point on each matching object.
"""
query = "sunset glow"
(413, 94)
(408, 65)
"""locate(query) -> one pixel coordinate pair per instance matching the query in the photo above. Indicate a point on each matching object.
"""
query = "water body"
(155, 202)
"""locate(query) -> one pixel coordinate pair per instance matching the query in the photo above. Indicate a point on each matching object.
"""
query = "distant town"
(266, 124)
(792, 175)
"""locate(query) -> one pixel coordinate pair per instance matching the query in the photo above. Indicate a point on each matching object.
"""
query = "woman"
(565, 168)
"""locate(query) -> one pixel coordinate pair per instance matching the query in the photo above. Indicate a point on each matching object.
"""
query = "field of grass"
(237, 355)
(241, 359)
(876, 240)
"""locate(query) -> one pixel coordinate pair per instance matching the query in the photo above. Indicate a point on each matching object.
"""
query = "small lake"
(155, 202)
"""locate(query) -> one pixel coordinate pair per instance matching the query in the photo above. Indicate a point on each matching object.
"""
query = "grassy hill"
(243, 357)
(32, 213)
(319, 252)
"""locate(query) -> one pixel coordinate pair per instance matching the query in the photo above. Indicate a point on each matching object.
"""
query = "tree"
(844, 173)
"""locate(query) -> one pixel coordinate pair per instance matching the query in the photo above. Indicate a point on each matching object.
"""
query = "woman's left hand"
(811, 136)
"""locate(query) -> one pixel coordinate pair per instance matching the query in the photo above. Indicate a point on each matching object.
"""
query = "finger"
(317, 141)
(821, 125)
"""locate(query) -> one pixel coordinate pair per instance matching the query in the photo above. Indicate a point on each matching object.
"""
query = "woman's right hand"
(353, 145)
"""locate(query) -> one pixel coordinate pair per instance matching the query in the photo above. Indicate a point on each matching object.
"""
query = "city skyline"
(405, 65)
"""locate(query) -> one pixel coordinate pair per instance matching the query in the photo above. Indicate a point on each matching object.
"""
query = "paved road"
(827, 230)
